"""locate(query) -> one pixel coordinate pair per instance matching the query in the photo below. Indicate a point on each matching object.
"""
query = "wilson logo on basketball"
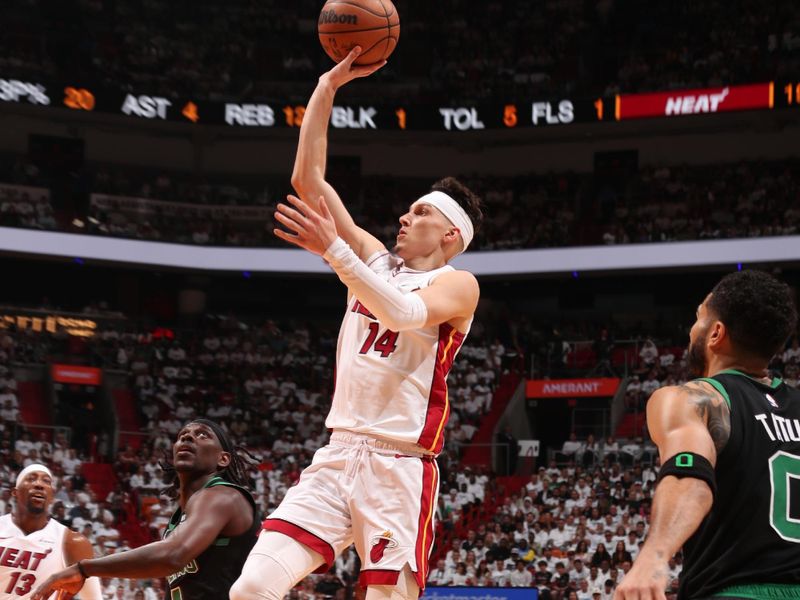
(327, 17)
(379, 545)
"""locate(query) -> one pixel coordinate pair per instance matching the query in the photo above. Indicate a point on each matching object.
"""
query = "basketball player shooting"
(376, 483)
(34, 545)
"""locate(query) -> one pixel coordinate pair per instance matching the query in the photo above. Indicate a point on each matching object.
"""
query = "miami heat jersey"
(27, 560)
(393, 385)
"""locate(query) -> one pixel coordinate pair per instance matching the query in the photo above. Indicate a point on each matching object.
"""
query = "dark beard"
(696, 357)
(35, 510)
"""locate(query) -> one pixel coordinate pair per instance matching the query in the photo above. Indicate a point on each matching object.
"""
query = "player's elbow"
(298, 181)
(177, 557)
(704, 496)
(306, 180)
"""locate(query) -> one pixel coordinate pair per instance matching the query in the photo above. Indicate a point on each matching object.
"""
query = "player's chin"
(400, 249)
(184, 463)
(36, 506)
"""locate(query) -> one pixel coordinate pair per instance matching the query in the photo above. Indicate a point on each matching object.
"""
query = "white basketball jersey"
(27, 560)
(392, 385)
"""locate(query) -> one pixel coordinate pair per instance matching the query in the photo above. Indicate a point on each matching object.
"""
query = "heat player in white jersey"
(33, 546)
(376, 483)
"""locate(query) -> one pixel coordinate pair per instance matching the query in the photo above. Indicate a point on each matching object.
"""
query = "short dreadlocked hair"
(235, 472)
(758, 310)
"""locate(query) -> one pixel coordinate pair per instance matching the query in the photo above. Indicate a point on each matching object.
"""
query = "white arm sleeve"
(393, 308)
(91, 590)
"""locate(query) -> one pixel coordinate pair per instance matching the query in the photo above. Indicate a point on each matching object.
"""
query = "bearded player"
(32, 545)
(408, 312)
(730, 456)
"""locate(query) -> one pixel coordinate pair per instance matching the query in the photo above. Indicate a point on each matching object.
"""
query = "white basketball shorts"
(379, 496)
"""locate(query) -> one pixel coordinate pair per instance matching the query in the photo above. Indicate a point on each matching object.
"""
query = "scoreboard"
(532, 113)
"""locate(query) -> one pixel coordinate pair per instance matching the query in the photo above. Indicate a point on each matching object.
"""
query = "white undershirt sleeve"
(393, 308)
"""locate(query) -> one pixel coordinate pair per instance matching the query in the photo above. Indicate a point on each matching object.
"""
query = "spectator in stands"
(7, 392)
(579, 572)
(595, 579)
(572, 446)
(650, 384)
(500, 574)
(441, 575)
(631, 451)
(600, 555)
(609, 585)
(590, 451)
(560, 581)
(620, 555)
(520, 576)
(559, 536)
(649, 353)
(460, 576)
(9, 412)
(792, 354)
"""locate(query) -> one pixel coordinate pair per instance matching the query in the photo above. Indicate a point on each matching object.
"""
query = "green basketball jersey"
(211, 575)
(752, 534)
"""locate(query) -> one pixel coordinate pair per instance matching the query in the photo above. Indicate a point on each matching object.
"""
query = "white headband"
(454, 213)
(32, 469)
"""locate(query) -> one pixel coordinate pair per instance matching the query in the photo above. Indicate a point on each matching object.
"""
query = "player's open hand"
(65, 583)
(347, 71)
(309, 229)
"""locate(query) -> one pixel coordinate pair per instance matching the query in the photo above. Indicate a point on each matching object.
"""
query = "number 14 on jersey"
(386, 343)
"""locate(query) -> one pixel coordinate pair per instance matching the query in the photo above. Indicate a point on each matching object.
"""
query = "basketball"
(372, 24)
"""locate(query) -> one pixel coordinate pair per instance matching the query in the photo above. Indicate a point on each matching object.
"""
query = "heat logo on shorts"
(379, 545)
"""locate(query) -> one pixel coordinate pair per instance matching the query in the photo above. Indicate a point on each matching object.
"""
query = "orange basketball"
(372, 24)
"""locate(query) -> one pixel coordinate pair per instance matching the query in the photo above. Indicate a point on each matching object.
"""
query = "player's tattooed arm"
(712, 408)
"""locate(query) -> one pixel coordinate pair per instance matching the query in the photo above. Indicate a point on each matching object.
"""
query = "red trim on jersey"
(303, 536)
(378, 577)
(425, 528)
(432, 436)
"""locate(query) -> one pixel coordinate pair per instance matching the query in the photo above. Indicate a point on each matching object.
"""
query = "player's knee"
(267, 581)
(405, 589)
(275, 565)
(252, 588)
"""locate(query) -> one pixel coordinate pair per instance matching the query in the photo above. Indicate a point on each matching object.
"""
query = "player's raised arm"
(308, 177)
(689, 424)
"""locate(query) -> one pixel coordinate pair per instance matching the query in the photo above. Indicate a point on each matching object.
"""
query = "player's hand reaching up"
(346, 71)
(309, 229)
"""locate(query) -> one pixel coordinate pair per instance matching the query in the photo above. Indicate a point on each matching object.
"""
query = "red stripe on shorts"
(427, 504)
(303, 536)
(378, 577)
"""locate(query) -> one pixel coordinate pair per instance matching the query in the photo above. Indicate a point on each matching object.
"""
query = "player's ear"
(717, 334)
(224, 460)
(452, 238)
